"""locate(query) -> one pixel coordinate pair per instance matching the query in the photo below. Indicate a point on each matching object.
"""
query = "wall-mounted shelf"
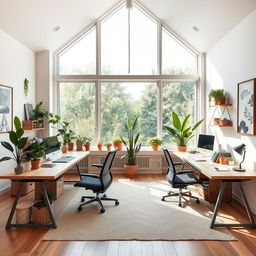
(34, 125)
(217, 109)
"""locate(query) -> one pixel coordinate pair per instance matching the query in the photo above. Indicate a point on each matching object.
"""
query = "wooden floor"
(29, 241)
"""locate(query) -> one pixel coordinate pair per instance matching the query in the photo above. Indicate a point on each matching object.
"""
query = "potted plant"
(79, 143)
(100, 145)
(35, 152)
(180, 132)
(18, 152)
(225, 122)
(39, 114)
(132, 148)
(108, 146)
(218, 95)
(87, 143)
(70, 140)
(26, 89)
(154, 142)
(223, 159)
(117, 143)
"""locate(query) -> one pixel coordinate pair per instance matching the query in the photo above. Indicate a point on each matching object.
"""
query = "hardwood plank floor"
(29, 241)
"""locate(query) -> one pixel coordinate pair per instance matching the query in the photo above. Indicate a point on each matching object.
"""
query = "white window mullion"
(159, 109)
(159, 48)
(98, 48)
(98, 110)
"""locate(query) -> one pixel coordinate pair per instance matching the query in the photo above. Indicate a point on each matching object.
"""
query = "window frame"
(158, 78)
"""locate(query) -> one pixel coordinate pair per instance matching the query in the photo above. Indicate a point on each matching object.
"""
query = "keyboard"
(63, 159)
(198, 158)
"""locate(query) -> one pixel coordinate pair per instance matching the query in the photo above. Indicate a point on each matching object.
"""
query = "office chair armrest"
(185, 171)
(98, 165)
(178, 163)
(89, 175)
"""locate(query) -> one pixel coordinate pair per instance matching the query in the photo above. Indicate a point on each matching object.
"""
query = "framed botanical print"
(6, 108)
(246, 107)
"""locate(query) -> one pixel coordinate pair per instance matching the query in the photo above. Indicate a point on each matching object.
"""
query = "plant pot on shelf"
(100, 147)
(64, 148)
(154, 147)
(79, 146)
(182, 148)
(87, 147)
(131, 170)
(35, 164)
(118, 145)
(216, 120)
(220, 100)
(70, 146)
(225, 122)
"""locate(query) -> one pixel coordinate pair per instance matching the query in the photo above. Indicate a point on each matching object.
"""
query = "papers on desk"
(221, 168)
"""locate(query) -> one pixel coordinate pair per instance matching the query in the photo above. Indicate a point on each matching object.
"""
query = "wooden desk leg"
(47, 202)
(9, 221)
(218, 203)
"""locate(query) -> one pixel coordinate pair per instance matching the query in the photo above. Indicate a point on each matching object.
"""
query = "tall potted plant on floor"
(132, 147)
(180, 132)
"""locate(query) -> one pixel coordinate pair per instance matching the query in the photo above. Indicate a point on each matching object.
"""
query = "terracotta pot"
(220, 101)
(182, 148)
(131, 170)
(223, 160)
(64, 149)
(118, 145)
(87, 147)
(216, 120)
(100, 147)
(109, 147)
(79, 146)
(154, 147)
(225, 122)
(70, 146)
(35, 164)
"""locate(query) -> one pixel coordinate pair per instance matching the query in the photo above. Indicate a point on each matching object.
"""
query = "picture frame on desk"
(246, 107)
(6, 108)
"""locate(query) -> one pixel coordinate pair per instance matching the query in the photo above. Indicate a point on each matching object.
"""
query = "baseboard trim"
(4, 190)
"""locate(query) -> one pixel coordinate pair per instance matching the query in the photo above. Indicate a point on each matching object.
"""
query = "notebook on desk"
(63, 159)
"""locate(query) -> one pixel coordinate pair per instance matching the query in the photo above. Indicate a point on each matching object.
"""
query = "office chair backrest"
(105, 174)
(171, 172)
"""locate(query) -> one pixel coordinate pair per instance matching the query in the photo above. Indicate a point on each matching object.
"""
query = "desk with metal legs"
(40, 175)
(208, 169)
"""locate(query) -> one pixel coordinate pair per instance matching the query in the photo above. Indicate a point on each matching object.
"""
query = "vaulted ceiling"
(32, 21)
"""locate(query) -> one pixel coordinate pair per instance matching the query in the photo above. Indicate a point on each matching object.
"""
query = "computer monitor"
(52, 144)
(205, 142)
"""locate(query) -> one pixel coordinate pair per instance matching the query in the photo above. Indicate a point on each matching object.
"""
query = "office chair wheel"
(197, 201)
(104, 195)
(179, 204)
(102, 210)
(82, 199)
(163, 199)
(80, 208)
(116, 203)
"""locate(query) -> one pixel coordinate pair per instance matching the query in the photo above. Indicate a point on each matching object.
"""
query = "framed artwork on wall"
(246, 107)
(6, 108)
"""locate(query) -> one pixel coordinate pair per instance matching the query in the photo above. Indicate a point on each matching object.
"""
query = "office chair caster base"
(197, 201)
(80, 208)
(117, 203)
(102, 210)
(82, 200)
(104, 196)
(163, 199)
(180, 204)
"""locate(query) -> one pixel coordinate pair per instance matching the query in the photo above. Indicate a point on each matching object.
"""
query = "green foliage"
(108, 144)
(35, 151)
(117, 140)
(40, 113)
(214, 94)
(79, 139)
(132, 144)
(19, 142)
(180, 132)
(100, 143)
(154, 141)
(87, 140)
(26, 82)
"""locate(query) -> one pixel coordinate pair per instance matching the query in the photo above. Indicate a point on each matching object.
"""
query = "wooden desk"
(208, 169)
(40, 175)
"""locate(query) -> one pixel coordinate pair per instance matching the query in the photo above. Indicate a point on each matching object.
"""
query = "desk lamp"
(241, 151)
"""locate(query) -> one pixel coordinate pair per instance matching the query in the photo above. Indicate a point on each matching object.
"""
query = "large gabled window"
(127, 64)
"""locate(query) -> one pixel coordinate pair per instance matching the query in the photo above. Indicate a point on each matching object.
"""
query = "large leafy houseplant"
(17, 149)
(180, 132)
(132, 147)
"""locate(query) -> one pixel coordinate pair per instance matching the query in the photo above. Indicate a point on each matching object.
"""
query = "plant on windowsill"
(18, 151)
(36, 151)
(87, 143)
(132, 147)
(70, 140)
(154, 142)
(108, 146)
(79, 142)
(180, 132)
(118, 143)
(100, 145)
(218, 95)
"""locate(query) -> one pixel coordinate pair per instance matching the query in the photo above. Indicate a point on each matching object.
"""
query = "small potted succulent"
(117, 143)
(218, 95)
(154, 142)
(225, 122)
(108, 146)
(36, 151)
(87, 143)
(79, 143)
(100, 145)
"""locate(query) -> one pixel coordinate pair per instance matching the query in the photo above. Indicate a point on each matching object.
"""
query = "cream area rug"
(141, 215)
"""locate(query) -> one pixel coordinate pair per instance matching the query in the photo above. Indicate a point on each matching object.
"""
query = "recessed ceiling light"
(196, 28)
(56, 28)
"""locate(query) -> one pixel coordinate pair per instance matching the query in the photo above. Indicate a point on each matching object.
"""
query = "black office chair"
(98, 183)
(179, 180)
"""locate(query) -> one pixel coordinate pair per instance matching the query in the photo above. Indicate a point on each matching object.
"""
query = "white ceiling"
(32, 21)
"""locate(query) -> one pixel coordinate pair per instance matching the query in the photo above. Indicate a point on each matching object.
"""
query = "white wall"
(230, 61)
(16, 63)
